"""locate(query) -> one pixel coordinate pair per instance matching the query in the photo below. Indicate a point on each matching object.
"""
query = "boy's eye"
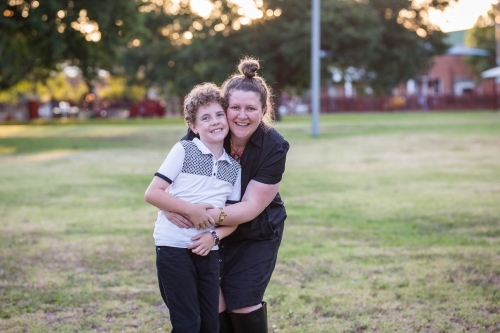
(204, 118)
(220, 115)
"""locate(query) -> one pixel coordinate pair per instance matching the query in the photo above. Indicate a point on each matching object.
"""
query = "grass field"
(393, 225)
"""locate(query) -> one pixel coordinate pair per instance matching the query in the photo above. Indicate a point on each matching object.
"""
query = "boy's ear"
(193, 128)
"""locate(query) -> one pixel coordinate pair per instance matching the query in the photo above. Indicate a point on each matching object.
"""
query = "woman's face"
(244, 113)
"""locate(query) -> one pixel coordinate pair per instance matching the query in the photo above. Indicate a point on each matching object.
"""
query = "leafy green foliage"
(37, 36)
(168, 45)
(387, 41)
(407, 42)
(482, 36)
(172, 63)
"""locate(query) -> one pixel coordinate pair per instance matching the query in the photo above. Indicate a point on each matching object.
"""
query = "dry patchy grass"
(393, 226)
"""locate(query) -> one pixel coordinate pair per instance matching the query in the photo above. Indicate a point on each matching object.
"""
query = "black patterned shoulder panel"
(195, 162)
(228, 171)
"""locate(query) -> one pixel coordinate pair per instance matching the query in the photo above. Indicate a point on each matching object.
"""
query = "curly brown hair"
(202, 95)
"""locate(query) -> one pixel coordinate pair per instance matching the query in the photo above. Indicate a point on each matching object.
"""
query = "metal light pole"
(497, 32)
(315, 62)
(497, 39)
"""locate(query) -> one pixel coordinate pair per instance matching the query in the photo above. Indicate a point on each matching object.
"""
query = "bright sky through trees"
(460, 16)
(249, 9)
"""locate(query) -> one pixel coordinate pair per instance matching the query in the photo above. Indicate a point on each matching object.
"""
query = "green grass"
(393, 225)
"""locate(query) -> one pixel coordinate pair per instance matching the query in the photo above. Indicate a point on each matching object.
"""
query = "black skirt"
(248, 257)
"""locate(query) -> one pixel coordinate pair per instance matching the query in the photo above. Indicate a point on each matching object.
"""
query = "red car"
(148, 108)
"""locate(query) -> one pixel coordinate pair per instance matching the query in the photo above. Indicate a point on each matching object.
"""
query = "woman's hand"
(203, 244)
(178, 219)
(199, 216)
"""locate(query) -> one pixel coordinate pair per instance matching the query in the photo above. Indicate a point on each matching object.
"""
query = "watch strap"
(216, 237)
(222, 216)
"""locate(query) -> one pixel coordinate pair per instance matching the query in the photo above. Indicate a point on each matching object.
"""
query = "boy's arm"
(157, 196)
(204, 242)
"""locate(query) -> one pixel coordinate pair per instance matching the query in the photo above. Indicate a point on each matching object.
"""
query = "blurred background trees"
(42, 36)
(387, 41)
(482, 36)
(171, 45)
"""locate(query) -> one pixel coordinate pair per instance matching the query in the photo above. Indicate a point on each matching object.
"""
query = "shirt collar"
(201, 146)
(258, 136)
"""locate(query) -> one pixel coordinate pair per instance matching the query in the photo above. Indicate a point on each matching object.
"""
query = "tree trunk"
(277, 92)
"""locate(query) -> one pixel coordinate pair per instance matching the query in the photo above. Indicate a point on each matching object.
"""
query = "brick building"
(449, 76)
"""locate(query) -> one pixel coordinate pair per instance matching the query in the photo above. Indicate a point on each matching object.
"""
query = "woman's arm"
(256, 198)
(157, 196)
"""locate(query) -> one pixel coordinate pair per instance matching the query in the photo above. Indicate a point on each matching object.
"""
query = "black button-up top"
(263, 160)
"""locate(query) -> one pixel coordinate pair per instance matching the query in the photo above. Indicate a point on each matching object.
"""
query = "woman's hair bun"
(249, 67)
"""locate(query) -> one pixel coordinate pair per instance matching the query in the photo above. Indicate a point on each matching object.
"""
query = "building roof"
(457, 41)
(491, 73)
(467, 51)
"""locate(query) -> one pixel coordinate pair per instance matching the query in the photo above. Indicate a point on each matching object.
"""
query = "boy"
(194, 172)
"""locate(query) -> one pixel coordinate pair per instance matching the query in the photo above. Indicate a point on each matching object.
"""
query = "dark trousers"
(189, 285)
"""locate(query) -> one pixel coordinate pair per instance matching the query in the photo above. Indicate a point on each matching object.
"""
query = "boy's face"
(210, 124)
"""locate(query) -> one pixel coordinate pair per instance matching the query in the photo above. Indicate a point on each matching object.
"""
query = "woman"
(248, 256)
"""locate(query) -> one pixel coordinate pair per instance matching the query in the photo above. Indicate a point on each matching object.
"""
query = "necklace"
(234, 153)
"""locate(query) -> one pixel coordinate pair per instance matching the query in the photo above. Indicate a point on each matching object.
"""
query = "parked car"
(148, 108)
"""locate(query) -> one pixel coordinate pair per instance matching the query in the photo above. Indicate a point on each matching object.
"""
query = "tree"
(179, 48)
(38, 36)
(172, 45)
(482, 36)
(408, 41)
(57, 87)
(388, 41)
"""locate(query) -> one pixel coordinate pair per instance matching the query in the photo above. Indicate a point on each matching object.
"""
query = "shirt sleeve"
(272, 169)
(172, 166)
(235, 196)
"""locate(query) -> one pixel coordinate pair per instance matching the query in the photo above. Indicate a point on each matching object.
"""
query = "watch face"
(222, 216)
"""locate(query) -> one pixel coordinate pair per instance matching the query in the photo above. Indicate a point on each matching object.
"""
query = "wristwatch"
(222, 216)
(216, 237)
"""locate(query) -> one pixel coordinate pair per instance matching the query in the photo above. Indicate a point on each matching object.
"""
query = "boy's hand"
(203, 243)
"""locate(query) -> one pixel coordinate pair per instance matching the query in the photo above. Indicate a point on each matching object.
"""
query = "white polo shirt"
(195, 176)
